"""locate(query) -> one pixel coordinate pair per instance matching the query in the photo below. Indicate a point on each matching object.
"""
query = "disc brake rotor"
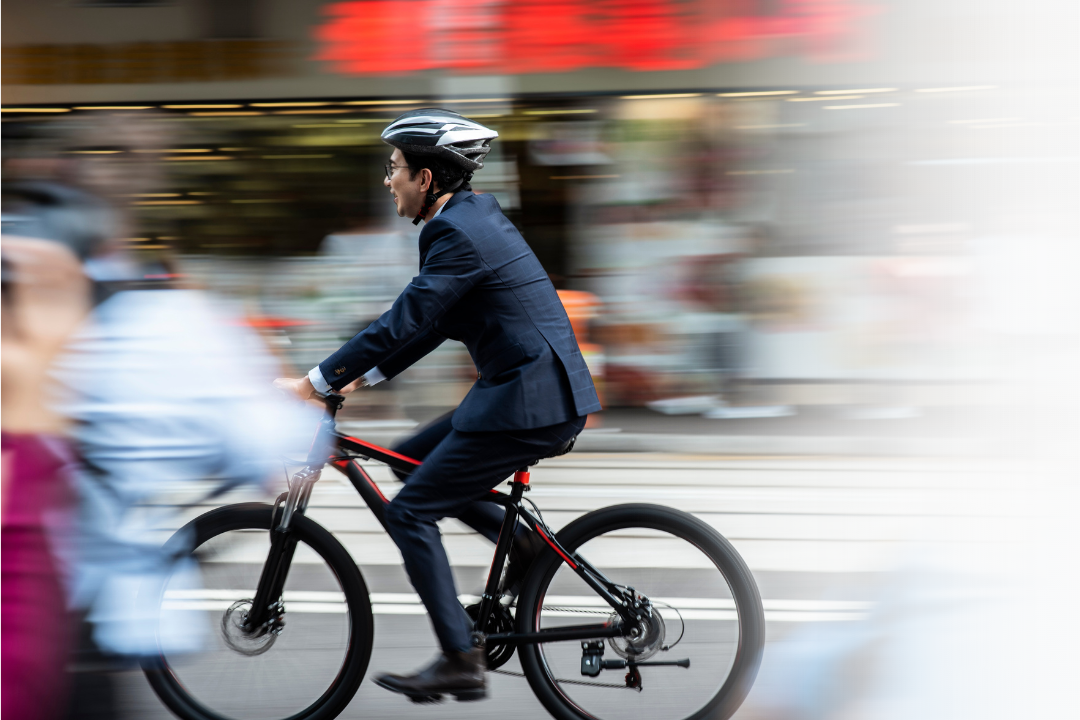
(646, 643)
(248, 643)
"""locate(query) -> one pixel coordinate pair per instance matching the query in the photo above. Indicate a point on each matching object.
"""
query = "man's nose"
(386, 182)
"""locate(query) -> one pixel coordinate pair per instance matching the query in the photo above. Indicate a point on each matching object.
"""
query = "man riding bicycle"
(479, 283)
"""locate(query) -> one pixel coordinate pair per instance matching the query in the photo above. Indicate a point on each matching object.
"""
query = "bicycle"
(309, 578)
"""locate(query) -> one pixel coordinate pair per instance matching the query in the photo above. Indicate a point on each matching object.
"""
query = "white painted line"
(327, 608)
(410, 598)
(234, 595)
(398, 610)
(207, 605)
(714, 609)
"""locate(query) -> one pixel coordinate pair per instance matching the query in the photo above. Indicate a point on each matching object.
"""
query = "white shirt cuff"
(318, 381)
(373, 376)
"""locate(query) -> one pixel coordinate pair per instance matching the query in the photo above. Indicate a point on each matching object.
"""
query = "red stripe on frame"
(555, 547)
(383, 450)
(342, 464)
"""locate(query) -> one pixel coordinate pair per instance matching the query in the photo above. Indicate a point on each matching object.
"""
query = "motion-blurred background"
(834, 220)
(766, 205)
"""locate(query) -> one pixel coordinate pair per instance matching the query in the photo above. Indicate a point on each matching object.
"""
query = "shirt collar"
(454, 198)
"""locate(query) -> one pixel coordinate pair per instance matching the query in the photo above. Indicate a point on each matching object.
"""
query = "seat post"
(491, 594)
(522, 476)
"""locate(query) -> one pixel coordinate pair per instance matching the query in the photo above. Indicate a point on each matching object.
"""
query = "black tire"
(359, 626)
(745, 652)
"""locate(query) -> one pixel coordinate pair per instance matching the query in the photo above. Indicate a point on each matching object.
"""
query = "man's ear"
(426, 180)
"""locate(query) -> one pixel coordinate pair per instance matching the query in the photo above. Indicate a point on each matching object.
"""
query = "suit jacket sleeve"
(451, 267)
(406, 356)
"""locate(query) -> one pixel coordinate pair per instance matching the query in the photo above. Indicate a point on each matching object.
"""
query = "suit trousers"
(458, 468)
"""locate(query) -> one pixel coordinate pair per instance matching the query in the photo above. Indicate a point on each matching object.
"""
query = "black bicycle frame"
(613, 594)
(346, 453)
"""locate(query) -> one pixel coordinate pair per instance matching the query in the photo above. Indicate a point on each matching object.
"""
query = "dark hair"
(443, 173)
(75, 219)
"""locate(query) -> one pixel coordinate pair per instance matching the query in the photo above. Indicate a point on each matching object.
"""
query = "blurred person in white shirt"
(167, 395)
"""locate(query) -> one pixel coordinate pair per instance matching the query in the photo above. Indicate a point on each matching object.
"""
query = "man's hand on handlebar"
(298, 387)
(302, 388)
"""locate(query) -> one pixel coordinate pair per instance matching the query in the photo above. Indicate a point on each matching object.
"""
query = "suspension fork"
(267, 604)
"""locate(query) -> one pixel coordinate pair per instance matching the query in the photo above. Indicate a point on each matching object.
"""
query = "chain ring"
(503, 622)
(242, 642)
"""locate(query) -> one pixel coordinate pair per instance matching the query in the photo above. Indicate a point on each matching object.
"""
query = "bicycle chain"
(598, 611)
(571, 682)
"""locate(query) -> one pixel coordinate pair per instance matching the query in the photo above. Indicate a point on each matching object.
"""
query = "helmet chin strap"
(431, 198)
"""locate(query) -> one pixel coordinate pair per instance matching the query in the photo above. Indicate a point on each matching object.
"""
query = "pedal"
(471, 695)
(425, 699)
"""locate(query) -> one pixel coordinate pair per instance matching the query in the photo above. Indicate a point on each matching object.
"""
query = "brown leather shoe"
(460, 674)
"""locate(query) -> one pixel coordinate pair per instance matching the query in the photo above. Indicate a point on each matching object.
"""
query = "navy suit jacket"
(480, 283)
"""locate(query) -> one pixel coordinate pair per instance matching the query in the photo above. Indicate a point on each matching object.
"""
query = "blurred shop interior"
(749, 209)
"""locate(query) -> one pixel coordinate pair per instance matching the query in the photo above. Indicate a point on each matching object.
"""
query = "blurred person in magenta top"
(148, 387)
(44, 297)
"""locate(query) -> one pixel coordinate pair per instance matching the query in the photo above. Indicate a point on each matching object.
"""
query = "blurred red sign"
(400, 37)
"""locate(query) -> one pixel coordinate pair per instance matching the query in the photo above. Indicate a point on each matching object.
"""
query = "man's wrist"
(317, 381)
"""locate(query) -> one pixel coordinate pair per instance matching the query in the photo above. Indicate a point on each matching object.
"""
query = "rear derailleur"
(592, 662)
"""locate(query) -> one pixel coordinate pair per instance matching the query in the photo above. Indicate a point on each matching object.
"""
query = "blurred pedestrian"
(150, 386)
(43, 299)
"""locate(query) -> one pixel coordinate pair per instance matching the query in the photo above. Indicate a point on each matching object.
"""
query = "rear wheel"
(706, 610)
(311, 661)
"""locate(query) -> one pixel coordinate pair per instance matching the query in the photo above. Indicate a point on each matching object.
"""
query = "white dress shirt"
(169, 398)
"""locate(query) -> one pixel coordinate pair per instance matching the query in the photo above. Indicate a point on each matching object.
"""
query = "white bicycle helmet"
(445, 134)
(434, 131)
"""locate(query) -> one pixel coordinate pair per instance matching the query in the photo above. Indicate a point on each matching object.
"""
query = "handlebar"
(333, 402)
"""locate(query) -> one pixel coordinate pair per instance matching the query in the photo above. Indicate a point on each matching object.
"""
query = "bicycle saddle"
(562, 450)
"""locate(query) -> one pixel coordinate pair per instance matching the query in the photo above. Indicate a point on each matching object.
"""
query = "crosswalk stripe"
(716, 609)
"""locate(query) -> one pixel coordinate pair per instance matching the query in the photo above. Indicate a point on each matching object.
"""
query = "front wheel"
(310, 661)
(698, 656)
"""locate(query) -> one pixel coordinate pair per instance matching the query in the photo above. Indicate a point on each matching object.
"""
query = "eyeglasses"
(391, 167)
